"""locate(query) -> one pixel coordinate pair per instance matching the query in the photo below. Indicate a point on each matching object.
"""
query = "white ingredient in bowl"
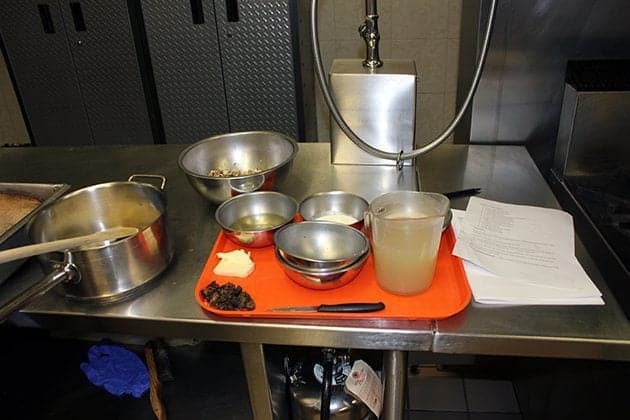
(344, 219)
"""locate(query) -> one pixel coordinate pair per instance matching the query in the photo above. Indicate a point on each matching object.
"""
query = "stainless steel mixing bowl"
(252, 219)
(260, 160)
(320, 246)
(339, 206)
(327, 280)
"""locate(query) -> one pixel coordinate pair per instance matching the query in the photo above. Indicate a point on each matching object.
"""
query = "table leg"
(257, 384)
(395, 379)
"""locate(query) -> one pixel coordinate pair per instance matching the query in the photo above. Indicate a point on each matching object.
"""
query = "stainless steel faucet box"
(378, 104)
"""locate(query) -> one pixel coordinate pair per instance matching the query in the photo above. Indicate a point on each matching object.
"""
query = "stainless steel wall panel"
(44, 74)
(186, 62)
(261, 70)
(519, 98)
(108, 71)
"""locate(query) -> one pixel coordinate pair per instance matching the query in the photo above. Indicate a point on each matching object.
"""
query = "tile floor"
(448, 388)
(41, 379)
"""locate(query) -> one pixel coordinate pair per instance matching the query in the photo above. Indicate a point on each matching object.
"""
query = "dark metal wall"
(519, 98)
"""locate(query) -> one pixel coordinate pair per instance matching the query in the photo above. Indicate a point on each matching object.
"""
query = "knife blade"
(352, 307)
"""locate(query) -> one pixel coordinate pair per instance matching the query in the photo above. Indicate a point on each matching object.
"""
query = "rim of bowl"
(247, 195)
(184, 152)
(364, 249)
(318, 270)
(358, 262)
(332, 193)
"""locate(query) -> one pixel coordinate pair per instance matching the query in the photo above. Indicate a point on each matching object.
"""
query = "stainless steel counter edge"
(257, 332)
(534, 346)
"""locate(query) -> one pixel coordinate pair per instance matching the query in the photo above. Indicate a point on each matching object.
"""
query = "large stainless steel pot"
(110, 271)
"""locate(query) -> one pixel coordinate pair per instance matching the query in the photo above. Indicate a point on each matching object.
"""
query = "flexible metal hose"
(356, 139)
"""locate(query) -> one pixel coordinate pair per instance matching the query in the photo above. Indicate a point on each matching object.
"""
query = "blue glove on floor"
(117, 370)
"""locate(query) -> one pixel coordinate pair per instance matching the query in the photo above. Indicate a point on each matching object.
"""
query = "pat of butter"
(234, 264)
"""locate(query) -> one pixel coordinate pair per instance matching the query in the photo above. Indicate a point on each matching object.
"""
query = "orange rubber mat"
(269, 286)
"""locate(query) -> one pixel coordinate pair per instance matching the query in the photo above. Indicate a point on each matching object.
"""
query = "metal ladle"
(61, 245)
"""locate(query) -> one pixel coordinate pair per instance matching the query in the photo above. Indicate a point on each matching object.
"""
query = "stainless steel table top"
(505, 173)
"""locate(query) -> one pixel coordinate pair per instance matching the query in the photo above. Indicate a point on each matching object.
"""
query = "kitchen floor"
(41, 379)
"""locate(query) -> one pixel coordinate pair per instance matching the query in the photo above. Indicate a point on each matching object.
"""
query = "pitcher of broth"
(405, 228)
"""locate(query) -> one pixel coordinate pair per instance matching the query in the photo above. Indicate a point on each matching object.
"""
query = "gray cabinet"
(224, 66)
(186, 62)
(77, 70)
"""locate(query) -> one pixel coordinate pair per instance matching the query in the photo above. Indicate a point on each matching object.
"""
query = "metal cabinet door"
(104, 50)
(186, 61)
(261, 66)
(35, 41)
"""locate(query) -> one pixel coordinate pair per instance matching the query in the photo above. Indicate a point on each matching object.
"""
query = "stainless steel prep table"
(504, 173)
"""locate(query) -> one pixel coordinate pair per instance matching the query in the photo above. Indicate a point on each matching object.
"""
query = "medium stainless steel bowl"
(331, 279)
(252, 219)
(320, 246)
(335, 206)
(269, 154)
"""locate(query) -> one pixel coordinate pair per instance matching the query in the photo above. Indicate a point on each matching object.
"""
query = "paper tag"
(365, 385)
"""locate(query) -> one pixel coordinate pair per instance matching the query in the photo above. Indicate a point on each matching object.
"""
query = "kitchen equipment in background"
(16, 235)
(104, 273)
(376, 98)
(369, 32)
(227, 165)
(591, 171)
(380, 106)
(315, 386)
(519, 100)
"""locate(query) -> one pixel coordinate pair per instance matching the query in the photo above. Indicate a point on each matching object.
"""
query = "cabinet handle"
(196, 8)
(231, 6)
(47, 22)
(77, 16)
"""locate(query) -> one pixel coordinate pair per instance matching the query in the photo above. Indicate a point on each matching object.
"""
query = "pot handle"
(67, 272)
(162, 179)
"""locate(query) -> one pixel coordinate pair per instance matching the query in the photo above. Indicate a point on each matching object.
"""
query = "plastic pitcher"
(405, 228)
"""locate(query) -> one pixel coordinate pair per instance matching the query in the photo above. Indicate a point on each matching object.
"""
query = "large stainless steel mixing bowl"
(267, 155)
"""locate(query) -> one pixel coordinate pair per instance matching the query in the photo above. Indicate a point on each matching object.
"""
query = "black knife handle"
(463, 193)
(352, 307)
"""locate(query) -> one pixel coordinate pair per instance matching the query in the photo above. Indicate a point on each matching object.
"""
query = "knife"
(462, 193)
(339, 307)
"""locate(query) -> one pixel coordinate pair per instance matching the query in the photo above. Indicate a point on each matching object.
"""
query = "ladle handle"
(66, 244)
(33, 292)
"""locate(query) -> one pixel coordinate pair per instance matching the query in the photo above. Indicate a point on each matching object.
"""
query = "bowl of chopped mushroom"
(226, 165)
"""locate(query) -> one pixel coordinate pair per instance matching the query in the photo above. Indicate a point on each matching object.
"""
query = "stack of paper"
(521, 255)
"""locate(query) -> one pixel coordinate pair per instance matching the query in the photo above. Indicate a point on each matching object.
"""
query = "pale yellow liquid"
(405, 254)
(257, 222)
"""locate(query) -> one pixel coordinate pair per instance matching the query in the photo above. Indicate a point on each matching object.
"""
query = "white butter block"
(234, 264)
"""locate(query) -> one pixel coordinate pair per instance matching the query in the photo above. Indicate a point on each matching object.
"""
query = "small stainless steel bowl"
(335, 206)
(320, 246)
(325, 280)
(268, 155)
(252, 219)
